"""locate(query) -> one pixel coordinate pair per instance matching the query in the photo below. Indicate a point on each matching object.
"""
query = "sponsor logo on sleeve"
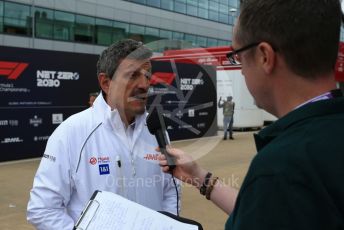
(49, 157)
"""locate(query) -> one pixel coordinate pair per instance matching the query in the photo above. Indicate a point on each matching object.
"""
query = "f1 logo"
(161, 77)
(12, 70)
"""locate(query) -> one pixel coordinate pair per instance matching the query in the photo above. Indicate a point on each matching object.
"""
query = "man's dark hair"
(112, 56)
(305, 32)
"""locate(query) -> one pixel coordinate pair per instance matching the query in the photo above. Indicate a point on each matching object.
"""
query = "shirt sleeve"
(52, 187)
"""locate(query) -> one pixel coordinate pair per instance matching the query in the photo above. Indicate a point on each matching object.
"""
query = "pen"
(120, 176)
(118, 159)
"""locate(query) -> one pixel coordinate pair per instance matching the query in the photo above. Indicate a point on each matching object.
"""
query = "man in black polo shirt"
(288, 50)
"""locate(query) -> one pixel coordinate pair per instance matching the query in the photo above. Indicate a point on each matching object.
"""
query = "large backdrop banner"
(38, 90)
(187, 93)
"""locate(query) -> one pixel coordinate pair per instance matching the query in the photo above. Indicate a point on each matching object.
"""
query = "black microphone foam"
(153, 121)
(156, 126)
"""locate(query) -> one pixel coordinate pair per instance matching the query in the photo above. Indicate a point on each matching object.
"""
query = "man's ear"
(104, 82)
(267, 57)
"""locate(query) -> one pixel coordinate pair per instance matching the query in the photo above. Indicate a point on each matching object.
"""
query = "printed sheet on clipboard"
(109, 211)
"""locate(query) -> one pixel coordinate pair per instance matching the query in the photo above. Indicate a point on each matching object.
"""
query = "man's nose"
(143, 81)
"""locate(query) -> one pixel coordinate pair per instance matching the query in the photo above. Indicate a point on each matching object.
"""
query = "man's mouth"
(140, 97)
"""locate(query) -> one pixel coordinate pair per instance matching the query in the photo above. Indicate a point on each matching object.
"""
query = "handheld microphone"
(156, 126)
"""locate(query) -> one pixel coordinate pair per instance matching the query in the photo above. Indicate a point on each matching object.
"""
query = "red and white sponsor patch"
(99, 160)
(93, 160)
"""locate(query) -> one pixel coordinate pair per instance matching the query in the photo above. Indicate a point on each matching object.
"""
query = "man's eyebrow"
(130, 68)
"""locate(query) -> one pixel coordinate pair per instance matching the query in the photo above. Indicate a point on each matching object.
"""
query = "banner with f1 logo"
(37, 90)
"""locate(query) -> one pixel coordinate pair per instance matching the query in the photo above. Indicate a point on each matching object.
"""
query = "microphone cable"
(177, 193)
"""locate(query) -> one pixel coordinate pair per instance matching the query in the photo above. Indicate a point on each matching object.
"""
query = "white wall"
(246, 114)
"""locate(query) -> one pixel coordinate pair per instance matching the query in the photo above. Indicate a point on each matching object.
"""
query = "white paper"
(117, 213)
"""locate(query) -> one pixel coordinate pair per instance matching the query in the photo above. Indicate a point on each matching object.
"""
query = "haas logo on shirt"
(93, 161)
(151, 157)
(99, 160)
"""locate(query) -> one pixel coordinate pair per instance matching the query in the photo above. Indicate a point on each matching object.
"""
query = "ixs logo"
(9, 140)
(47, 78)
(12, 70)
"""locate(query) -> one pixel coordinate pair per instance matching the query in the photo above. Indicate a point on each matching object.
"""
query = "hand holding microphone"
(182, 165)
(186, 169)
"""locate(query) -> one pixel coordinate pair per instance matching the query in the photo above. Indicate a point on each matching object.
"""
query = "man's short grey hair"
(112, 56)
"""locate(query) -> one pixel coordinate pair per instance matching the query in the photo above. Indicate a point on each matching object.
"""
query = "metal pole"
(33, 24)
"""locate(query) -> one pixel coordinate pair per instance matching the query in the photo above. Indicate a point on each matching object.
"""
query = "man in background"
(228, 113)
(92, 98)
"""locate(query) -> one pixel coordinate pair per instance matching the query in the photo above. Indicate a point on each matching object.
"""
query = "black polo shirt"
(296, 181)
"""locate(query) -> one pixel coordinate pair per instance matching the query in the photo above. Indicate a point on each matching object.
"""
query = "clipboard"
(108, 211)
(88, 214)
